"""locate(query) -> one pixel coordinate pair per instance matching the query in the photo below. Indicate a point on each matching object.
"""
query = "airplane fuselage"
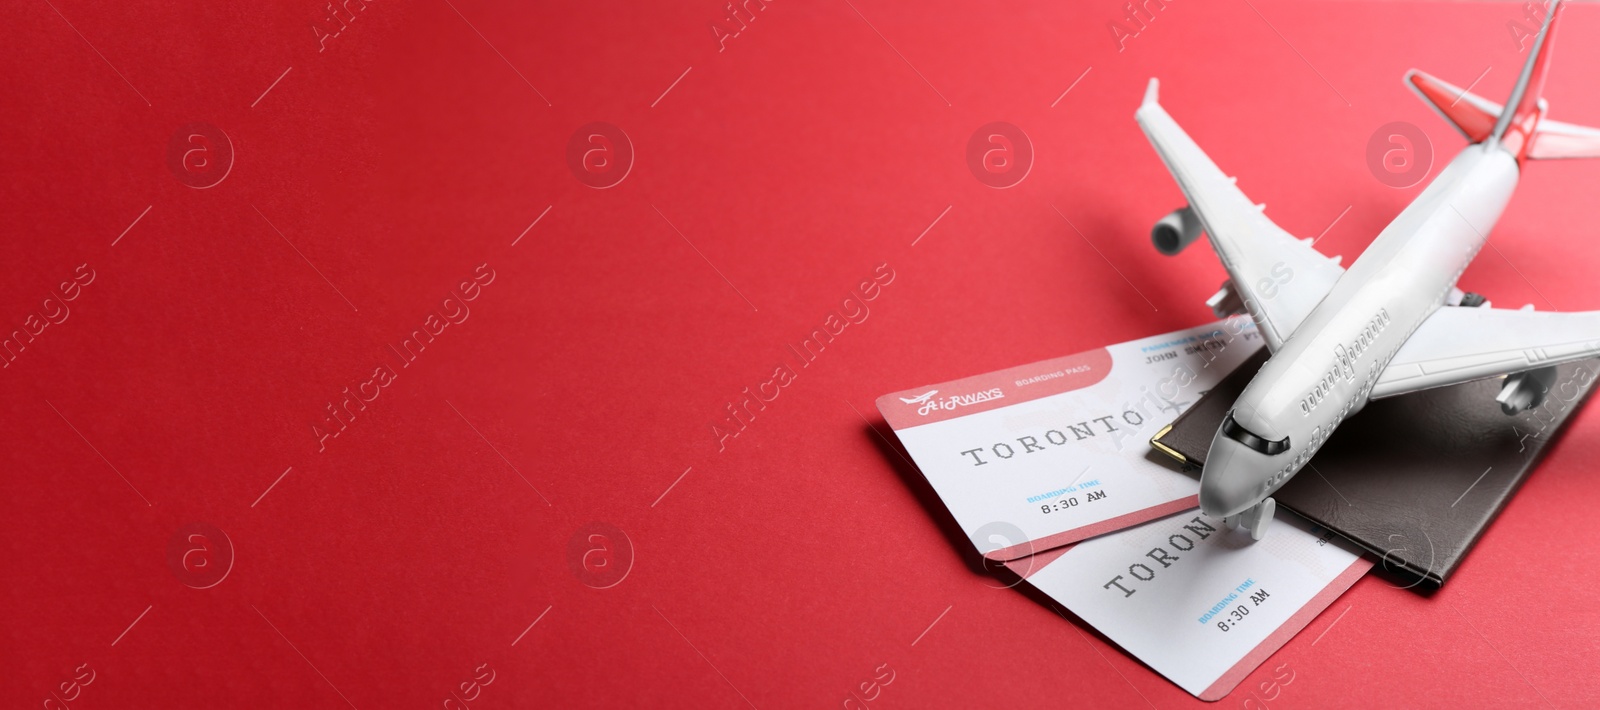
(1325, 370)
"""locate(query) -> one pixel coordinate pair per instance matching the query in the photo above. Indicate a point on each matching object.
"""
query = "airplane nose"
(1213, 501)
(1228, 484)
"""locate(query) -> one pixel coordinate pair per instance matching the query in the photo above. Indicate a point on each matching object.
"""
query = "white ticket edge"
(1288, 523)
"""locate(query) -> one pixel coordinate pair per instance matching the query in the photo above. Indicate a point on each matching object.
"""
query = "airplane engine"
(1525, 390)
(1176, 230)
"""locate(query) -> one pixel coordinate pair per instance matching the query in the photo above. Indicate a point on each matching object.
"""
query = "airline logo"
(955, 401)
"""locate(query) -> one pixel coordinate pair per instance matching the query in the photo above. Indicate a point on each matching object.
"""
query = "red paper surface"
(373, 171)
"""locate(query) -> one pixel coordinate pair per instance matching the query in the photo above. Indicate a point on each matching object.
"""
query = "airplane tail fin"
(1519, 124)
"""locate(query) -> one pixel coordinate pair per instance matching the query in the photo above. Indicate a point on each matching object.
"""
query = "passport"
(1414, 479)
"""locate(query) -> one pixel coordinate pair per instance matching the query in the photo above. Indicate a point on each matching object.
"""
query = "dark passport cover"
(1415, 478)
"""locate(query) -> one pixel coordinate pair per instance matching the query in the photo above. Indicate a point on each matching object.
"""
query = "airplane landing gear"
(1256, 519)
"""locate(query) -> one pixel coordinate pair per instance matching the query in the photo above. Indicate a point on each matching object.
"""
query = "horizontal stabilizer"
(1555, 140)
(1471, 114)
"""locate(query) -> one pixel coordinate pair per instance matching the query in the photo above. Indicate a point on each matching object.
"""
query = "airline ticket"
(1047, 454)
(1199, 603)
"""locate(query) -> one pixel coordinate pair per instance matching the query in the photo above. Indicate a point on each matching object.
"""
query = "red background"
(785, 569)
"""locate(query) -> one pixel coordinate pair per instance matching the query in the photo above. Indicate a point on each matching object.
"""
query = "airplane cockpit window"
(1244, 436)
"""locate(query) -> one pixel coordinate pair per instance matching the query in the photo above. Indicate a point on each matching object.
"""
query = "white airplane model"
(1386, 326)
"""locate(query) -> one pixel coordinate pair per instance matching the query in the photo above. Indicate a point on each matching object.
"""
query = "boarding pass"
(1047, 454)
(1200, 603)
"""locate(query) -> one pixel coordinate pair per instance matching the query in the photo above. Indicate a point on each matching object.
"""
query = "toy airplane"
(1386, 326)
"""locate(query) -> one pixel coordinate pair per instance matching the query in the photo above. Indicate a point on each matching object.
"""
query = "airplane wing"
(1458, 344)
(1280, 278)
